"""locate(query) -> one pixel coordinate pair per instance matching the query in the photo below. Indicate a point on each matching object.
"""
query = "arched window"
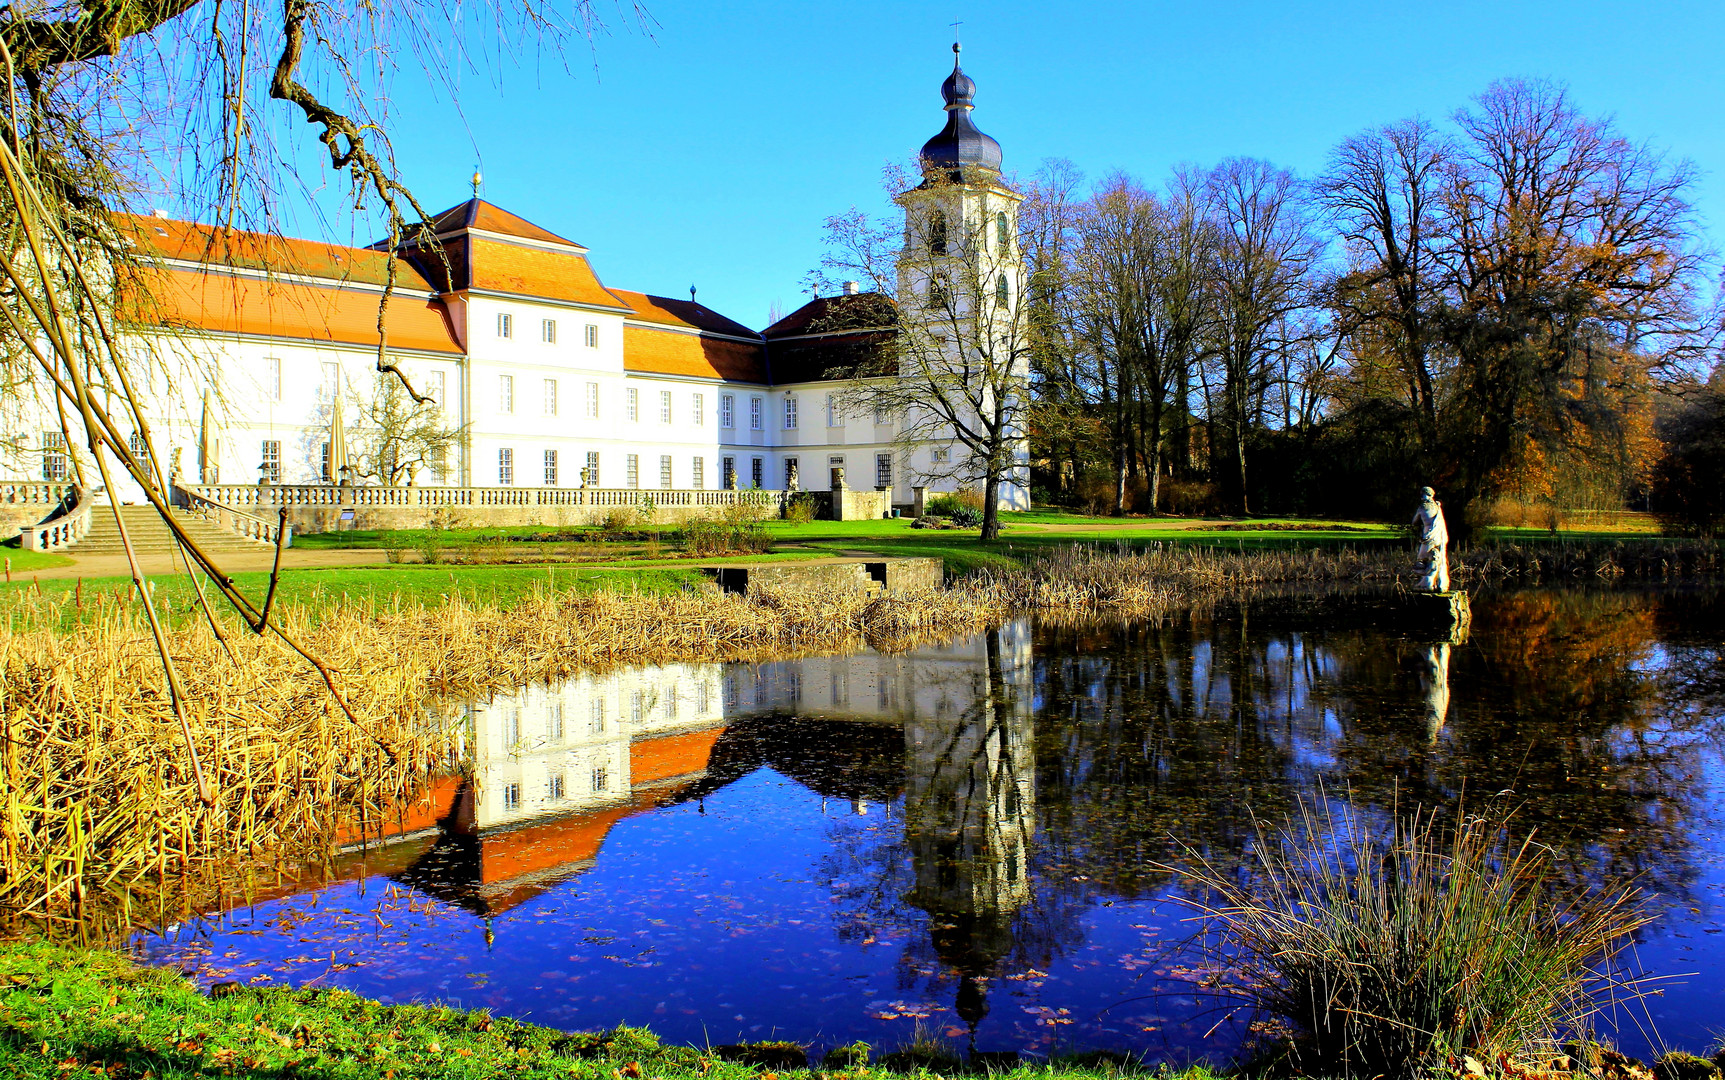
(1002, 291)
(937, 233)
(936, 294)
(1002, 233)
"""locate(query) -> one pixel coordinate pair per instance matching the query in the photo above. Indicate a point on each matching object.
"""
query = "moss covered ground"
(69, 1013)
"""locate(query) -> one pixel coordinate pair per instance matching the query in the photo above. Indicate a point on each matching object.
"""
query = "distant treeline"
(1515, 306)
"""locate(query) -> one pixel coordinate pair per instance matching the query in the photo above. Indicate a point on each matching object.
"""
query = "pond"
(969, 840)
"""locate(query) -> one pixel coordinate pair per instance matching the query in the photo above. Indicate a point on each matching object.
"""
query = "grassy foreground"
(67, 1013)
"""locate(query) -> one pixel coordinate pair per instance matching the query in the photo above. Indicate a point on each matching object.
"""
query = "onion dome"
(960, 147)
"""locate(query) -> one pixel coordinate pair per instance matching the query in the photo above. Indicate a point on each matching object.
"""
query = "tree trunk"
(991, 506)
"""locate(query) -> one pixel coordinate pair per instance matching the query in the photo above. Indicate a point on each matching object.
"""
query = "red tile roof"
(191, 242)
(671, 352)
(285, 308)
(479, 214)
(685, 313)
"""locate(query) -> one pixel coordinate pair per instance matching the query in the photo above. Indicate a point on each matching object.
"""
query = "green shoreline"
(68, 1012)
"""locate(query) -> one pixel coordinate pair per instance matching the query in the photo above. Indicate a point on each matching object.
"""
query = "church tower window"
(1002, 291)
(1002, 233)
(937, 233)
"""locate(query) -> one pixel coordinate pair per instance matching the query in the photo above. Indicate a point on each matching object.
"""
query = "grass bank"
(68, 1013)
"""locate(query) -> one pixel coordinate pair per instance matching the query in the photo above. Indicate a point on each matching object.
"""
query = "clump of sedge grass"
(1393, 950)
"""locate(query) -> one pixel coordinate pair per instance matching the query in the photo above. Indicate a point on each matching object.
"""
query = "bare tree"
(393, 437)
(957, 369)
(1565, 244)
(1385, 194)
(1265, 252)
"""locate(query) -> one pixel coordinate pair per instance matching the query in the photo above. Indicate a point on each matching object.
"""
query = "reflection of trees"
(963, 856)
(1149, 733)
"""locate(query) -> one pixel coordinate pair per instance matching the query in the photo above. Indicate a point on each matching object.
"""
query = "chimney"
(850, 288)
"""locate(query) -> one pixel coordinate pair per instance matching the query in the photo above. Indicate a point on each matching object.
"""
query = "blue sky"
(710, 152)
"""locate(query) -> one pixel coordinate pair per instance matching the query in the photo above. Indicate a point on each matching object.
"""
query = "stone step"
(149, 535)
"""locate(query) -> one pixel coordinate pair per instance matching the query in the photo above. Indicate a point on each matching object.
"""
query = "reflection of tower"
(969, 802)
(1434, 680)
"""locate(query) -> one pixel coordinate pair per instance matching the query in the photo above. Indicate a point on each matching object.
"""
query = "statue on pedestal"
(1431, 538)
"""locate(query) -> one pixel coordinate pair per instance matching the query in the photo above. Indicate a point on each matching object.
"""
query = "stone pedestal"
(918, 501)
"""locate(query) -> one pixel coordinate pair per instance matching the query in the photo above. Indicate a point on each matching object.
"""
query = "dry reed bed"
(96, 791)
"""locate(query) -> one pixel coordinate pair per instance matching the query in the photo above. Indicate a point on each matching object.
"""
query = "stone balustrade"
(46, 494)
(234, 520)
(64, 529)
(318, 507)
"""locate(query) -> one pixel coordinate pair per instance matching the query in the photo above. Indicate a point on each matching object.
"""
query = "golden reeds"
(98, 798)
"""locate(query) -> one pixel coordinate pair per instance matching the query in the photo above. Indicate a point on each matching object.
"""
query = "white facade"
(546, 370)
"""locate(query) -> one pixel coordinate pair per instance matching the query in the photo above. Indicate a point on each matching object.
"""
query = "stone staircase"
(150, 537)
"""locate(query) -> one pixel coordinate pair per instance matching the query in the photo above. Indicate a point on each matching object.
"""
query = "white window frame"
(270, 456)
(435, 386)
(273, 378)
(505, 466)
(593, 466)
(664, 470)
(698, 409)
(632, 471)
(505, 325)
(698, 473)
(755, 414)
(790, 412)
(551, 468)
(632, 405)
(664, 406)
(506, 394)
(727, 411)
(56, 462)
(833, 418)
(590, 335)
(550, 397)
(592, 401)
(548, 331)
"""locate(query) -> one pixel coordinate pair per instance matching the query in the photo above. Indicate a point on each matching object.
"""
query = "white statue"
(1433, 539)
(1435, 681)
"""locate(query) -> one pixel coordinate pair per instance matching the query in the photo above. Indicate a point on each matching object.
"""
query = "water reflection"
(974, 836)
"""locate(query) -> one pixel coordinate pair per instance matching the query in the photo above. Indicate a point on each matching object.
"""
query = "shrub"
(1393, 949)
(801, 508)
(943, 505)
(706, 536)
(617, 524)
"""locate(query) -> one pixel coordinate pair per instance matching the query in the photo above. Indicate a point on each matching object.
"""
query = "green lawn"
(24, 561)
(68, 1013)
(317, 590)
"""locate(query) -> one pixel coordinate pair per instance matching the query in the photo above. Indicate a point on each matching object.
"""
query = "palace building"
(558, 380)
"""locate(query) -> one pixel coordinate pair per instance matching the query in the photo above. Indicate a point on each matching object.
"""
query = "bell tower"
(961, 254)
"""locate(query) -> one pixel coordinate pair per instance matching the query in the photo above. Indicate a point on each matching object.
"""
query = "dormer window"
(937, 233)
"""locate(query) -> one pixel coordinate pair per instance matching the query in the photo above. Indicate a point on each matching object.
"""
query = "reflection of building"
(553, 768)
(969, 807)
